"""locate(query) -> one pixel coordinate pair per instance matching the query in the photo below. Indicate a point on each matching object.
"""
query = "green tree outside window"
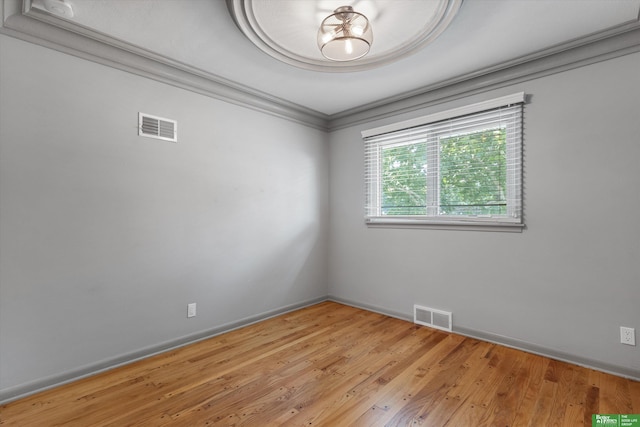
(471, 175)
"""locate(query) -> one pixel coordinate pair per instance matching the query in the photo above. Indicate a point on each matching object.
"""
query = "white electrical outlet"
(627, 335)
(191, 310)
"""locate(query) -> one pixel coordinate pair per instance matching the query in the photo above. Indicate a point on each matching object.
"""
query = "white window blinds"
(461, 166)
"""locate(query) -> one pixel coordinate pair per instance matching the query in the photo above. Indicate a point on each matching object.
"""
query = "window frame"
(512, 221)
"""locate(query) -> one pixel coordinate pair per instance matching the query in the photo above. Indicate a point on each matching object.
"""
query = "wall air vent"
(157, 127)
(431, 317)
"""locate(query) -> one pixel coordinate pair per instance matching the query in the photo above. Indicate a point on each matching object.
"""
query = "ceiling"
(289, 30)
(484, 35)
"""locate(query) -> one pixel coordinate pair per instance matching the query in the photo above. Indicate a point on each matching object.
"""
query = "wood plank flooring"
(333, 365)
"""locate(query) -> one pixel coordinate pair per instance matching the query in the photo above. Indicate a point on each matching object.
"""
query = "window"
(459, 168)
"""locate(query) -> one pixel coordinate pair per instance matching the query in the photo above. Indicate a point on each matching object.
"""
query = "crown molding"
(36, 26)
(24, 22)
(613, 43)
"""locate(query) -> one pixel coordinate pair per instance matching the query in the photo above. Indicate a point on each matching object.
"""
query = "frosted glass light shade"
(345, 35)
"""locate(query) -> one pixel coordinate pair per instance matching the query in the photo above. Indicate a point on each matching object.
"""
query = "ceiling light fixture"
(345, 35)
(286, 29)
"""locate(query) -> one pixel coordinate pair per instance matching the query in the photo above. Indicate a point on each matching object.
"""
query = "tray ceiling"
(201, 36)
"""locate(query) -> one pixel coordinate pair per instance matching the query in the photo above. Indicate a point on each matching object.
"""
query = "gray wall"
(106, 236)
(565, 284)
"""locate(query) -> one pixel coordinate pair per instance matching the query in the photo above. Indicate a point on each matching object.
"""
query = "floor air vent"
(157, 127)
(431, 317)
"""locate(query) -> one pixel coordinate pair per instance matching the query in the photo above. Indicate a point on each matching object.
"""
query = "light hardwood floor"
(334, 365)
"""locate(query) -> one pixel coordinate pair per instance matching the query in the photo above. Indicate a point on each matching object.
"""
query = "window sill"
(469, 224)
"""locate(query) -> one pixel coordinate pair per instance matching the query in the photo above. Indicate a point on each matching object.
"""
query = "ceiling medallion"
(293, 31)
